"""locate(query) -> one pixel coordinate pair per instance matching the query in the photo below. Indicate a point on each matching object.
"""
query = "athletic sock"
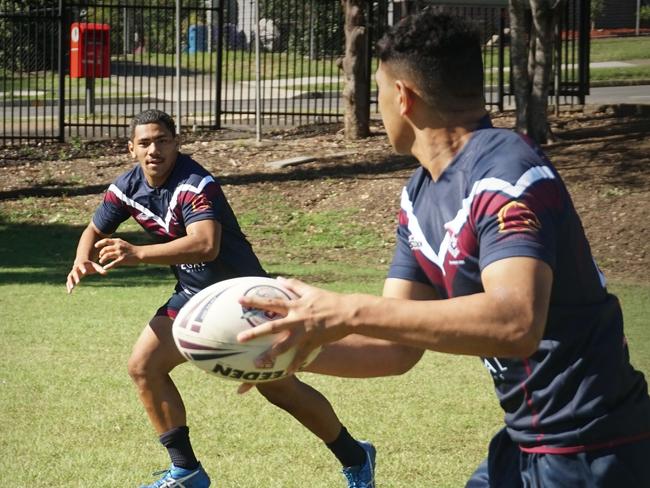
(179, 447)
(347, 450)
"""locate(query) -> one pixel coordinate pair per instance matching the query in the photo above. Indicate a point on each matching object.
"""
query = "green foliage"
(644, 14)
(597, 7)
(24, 35)
(311, 28)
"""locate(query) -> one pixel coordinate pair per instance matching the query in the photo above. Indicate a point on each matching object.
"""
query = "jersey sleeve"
(404, 265)
(519, 220)
(111, 212)
(200, 203)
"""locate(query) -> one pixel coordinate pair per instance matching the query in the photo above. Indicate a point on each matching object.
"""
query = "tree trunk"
(355, 67)
(544, 17)
(519, 41)
(532, 25)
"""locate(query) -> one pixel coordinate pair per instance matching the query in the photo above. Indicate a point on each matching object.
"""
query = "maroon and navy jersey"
(189, 195)
(499, 198)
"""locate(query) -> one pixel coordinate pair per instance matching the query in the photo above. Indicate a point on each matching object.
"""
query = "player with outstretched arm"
(491, 261)
(182, 206)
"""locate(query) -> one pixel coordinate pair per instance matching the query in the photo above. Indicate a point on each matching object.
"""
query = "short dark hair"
(153, 116)
(441, 53)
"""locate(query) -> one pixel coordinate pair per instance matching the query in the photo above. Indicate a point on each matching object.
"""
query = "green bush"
(644, 14)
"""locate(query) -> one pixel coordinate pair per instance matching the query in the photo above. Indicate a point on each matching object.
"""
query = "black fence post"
(61, 68)
(220, 29)
(584, 48)
(369, 53)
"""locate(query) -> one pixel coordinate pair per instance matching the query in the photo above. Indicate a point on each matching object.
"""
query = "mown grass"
(622, 75)
(71, 418)
(75, 421)
(620, 49)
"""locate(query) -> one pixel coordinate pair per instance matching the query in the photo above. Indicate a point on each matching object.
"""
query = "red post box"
(90, 52)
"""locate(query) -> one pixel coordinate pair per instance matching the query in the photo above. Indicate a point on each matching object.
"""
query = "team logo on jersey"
(200, 203)
(517, 217)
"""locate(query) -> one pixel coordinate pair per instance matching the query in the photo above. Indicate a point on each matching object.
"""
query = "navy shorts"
(626, 465)
(174, 304)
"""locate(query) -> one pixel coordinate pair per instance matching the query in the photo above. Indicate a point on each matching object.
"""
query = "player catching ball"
(491, 261)
(182, 206)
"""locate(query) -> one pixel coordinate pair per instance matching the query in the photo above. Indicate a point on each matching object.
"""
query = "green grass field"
(70, 416)
(620, 49)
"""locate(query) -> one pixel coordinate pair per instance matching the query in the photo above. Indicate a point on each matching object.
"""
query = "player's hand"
(79, 270)
(244, 388)
(116, 252)
(315, 318)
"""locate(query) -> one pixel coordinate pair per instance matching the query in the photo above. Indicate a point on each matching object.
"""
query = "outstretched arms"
(358, 356)
(85, 260)
(200, 244)
(98, 252)
(507, 319)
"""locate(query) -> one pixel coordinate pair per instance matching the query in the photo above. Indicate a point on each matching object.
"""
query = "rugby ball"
(205, 330)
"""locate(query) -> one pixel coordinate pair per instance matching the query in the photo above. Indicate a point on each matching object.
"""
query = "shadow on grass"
(31, 254)
(333, 168)
(52, 191)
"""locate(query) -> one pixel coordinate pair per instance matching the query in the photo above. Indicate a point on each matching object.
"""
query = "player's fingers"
(276, 305)
(271, 327)
(108, 255)
(107, 250)
(73, 279)
(296, 286)
(69, 283)
(268, 357)
(245, 387)
(111, 264)
(102, 243)
(97, 268)
(74, 274)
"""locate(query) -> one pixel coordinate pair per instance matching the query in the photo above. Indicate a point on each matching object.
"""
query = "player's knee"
(282, 393)
(137, 367)
(143, 367)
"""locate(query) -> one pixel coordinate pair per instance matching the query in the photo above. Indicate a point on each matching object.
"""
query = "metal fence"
(80, 68)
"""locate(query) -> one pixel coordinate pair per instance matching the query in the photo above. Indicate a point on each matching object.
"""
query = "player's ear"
(405, 97)
(131, 149)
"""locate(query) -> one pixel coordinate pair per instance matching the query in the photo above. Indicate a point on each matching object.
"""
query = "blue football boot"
(362, 476)
(176, 477)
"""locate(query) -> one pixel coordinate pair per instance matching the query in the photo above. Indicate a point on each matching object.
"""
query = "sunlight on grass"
(75, 419)
(631, 73)
(620, 49)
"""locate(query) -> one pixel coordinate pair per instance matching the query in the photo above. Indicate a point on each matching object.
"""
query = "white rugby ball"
(205, 330)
